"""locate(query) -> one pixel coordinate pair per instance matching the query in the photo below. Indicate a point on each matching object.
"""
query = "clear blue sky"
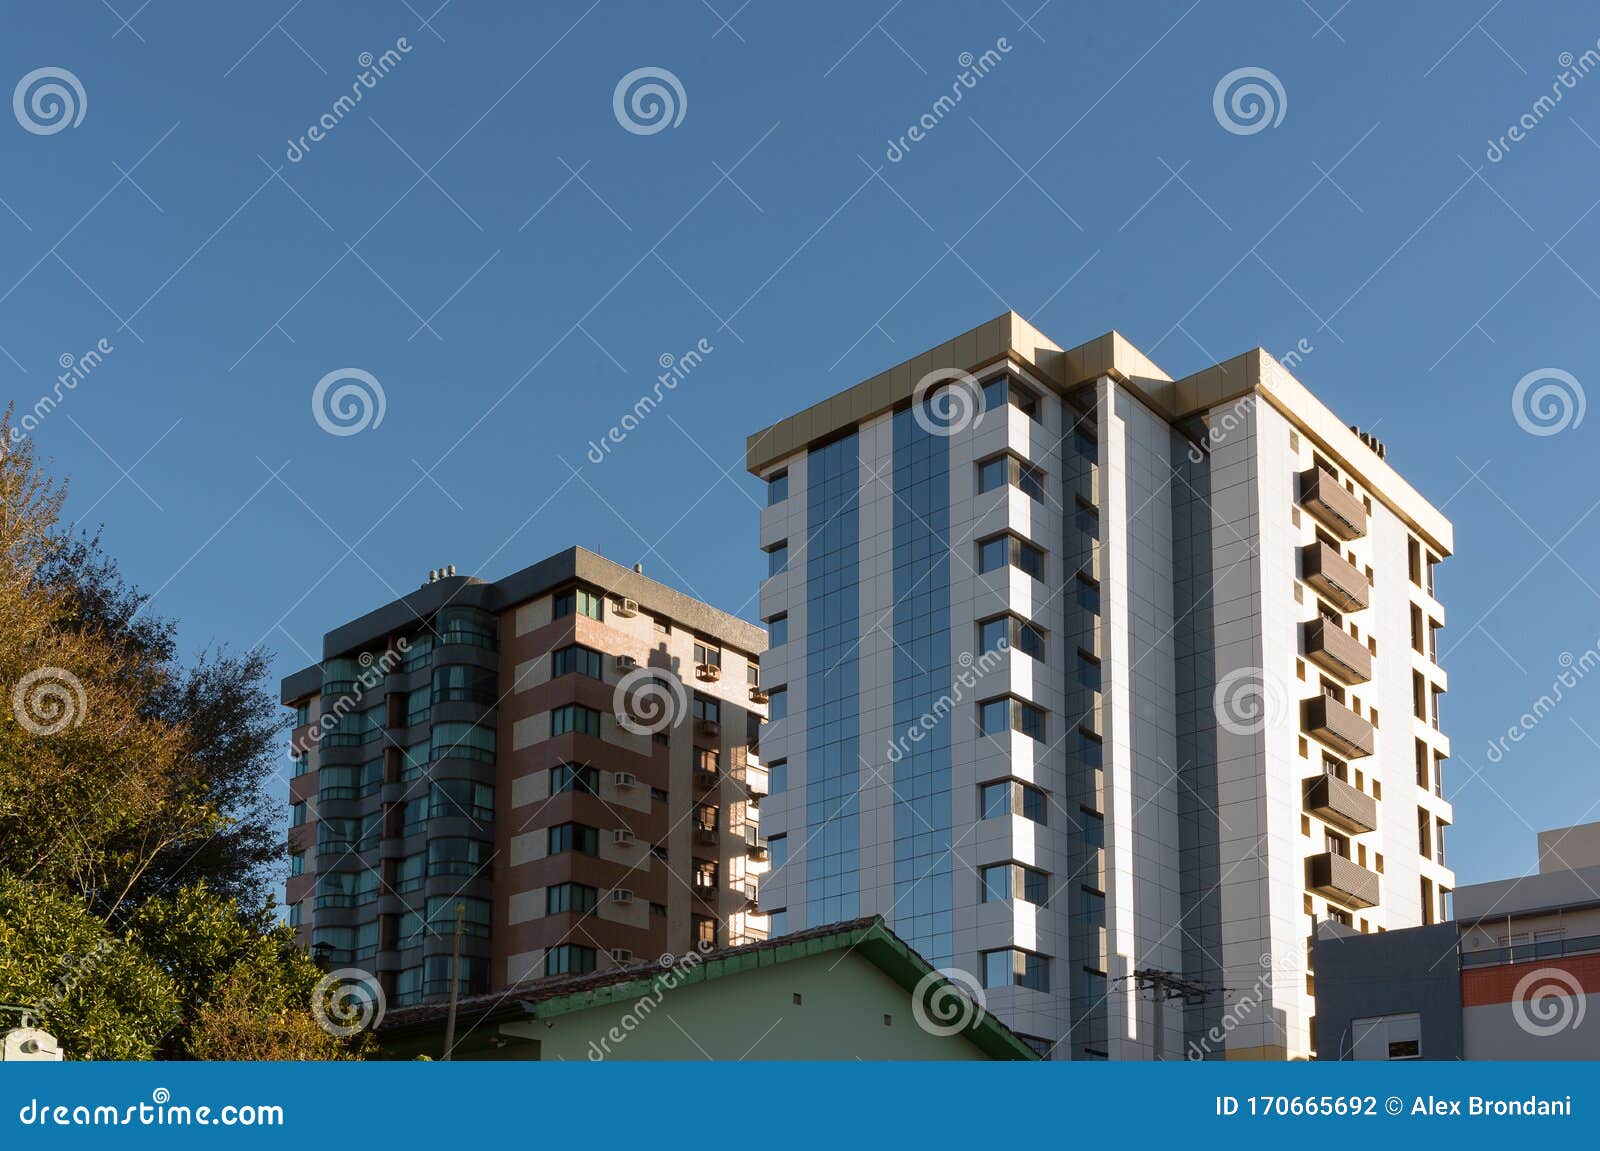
(514, 302)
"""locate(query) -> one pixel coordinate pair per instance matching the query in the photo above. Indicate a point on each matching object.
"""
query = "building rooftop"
(1010, 338)
(546, 998)
(575, 565)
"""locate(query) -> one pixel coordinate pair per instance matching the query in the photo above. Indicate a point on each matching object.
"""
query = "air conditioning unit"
(624, 779)
(626, 663)
(759, 695)
(623, 837)
(709, 672)
(627, 607)
(621, 895)
(621, 955)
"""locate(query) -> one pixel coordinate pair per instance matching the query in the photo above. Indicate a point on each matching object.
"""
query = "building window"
(297, 863)
(569, 959)
(471, 974)
(777, 922)
(579, 601)
(582, 777)
(706, 709)
(1013, 967)
(778, 850)
(778, 704)
(707, 653)
(302, 714)
(462, 741)
(455, 855)
(1011, 632)
(777, 558)
(777, 487)
(778, 777)
(408, 987)
(462, 797)
(297, 815)
(662, 625)
(1008, 469)
(574, 897)
(460, 683)
(1002, 882)
(999, 551)
(410, 872)
(468, 626)
(574, 717)
(575, 659)
(1386, 1037)
(999, 715)
(1012, 797)
(1003, 389)
(576, 837)
(778, 631)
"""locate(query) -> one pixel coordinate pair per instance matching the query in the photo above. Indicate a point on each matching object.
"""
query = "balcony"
(1336, 509)
(1337, 652)
(1342, 880)
(1326, 719)
(1332, 799)
(1333, 577)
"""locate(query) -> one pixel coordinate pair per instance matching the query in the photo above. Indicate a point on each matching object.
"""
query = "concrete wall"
(1361, 976)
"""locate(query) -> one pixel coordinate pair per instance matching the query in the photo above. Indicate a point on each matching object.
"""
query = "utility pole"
(455, 962)
(1165, 985)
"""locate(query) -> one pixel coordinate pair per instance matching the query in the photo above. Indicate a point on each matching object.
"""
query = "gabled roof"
(547, 998)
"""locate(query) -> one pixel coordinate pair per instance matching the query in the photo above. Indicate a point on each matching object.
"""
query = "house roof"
(547, 998)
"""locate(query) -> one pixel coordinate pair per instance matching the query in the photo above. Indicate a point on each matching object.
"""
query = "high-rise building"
(1101, 686)
(561, 761)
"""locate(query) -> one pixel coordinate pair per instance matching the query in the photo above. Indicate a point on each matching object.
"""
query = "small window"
(1001, 550)
(778, 631)
(579, 601)
(997, 715)
(777, 487)
(1012, 797)
(1013, 967)
(777, 558)
(1004, 389)
(574, 717)
(707, 653)
(574, 659)
(577, 777)
(778, 776)
(778, 704)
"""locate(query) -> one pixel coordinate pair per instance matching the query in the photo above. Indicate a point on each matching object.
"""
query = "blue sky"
(483, 237)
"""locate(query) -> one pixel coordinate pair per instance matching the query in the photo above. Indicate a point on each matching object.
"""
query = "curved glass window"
(414, 761)
(339, 676)
(463, 741)
(419, 652)
(457, 856)
(468, 625)
(442, 915)
(408, 987)
(462, 683)
(348, 729)
(336, 782)
(409, 872)
(472, 975)
(462, 797)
